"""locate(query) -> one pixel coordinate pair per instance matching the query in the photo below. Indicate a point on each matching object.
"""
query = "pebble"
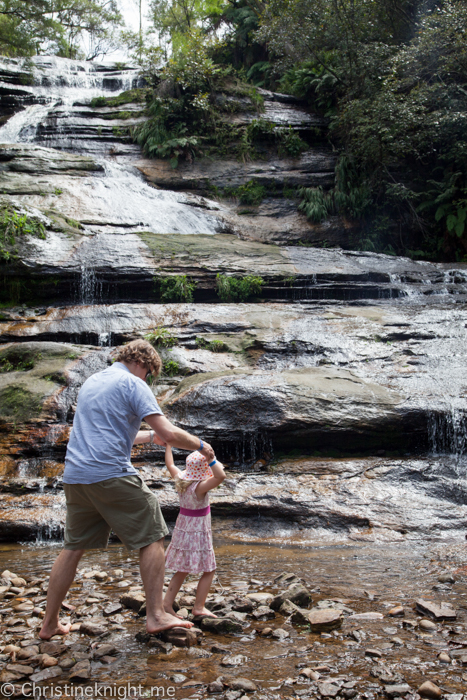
(369, 616)
(48, 661)
(310, 674)
(398, 611)
(373, 653)
(328, 690)
(244, 684)
(263, 612)
(215, 687)
(444, 658)
(430, 690)
(326, 619)
(394, 691)
(446, 578)
(427, 625)
(260, 598)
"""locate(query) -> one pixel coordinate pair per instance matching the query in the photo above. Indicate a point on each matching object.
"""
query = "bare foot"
(204, 611)
(48, 631)
(169, 609)
(165, 621)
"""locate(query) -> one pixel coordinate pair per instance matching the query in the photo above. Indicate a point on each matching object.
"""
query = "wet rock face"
(294, 405)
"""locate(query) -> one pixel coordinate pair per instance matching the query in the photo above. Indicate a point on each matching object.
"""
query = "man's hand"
(207, 451)
(158, 440)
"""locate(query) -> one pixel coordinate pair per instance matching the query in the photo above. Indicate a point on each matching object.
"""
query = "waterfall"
(118, 199)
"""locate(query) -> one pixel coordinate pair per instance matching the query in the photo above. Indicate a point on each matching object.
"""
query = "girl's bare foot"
(203, 611)
(48, 631)
(169, 609)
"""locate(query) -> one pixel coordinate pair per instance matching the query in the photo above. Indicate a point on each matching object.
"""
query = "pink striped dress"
(191, 547)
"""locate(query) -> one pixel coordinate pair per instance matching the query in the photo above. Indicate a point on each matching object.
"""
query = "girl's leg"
(172, 590)
(202, 593)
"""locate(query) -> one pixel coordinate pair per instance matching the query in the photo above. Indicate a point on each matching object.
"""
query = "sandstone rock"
(437, 612)
(310, 674)
(218, 625)
(27, 652)
(260, 598)
(239, 604)
(106, 650)
(244, 684)
(286, 579)
(180, 637)
(266, 631)
(81, 671)
(215, 687)
(296, 593)
(280, 634)
(52, 648)
(47, 674)
(430, 690)
(323, 620)
(11, 649)
(133, 601)
(444, 658)
(20, 669)
(398, 611)
(112, 609)
(393, 691)
(366, 616)
(91, 629)
(263, 612)
(373, 653)
(48, 661)
(427, 625)
(328, 690)
(446, 578)
(67, 662)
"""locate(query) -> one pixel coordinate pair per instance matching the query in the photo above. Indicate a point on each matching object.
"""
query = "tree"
(28, 27)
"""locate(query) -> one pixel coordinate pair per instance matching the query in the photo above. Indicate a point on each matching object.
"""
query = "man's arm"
(177, 437)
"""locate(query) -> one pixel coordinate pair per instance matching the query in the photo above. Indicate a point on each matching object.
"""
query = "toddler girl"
(190, 550)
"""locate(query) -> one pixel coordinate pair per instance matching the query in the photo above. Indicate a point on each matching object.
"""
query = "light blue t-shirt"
(111, 406)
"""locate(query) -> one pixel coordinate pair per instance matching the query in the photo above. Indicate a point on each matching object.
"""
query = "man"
(104, 491)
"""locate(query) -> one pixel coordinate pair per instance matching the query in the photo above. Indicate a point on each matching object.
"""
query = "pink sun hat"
(197, 468)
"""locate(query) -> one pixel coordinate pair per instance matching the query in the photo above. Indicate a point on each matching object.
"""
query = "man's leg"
(61, 577)
(152, 567)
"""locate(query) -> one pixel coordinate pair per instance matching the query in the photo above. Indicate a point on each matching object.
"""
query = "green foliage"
(212, 345)
(170, 368)
(176, 288)
(230, 289)
(251, 193)
(127, 97)
(73, 223)
(14, 224)
(61, 27)
(290, 143)
(58, 191)
(19, 404)
(161, 337)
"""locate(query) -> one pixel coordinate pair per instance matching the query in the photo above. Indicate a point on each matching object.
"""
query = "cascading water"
(119, 197)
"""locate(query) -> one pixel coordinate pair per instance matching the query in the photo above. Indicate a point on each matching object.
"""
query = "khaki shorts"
(123, 504)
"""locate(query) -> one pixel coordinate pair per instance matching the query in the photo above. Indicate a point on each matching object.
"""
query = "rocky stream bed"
(336, 397)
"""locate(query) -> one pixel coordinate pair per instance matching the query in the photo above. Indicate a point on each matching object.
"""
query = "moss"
(127, 97)
(19, 404)
(121, 115)
(18, 359)
(57, 378)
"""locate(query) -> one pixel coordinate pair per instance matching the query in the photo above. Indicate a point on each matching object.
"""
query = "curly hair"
(142, 352)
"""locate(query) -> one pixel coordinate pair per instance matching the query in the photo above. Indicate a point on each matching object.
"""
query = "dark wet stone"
(263, 612)
(106, 650)
(180, 637)
(239, 604)
(52, 648)
(112, 609)
(215, 687)
(92, 630)
(296, 593)
(81, 671)
(373, 653)
(219, 625)
(218, 649)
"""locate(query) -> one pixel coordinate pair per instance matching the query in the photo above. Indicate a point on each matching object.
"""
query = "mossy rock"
(19, 404)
